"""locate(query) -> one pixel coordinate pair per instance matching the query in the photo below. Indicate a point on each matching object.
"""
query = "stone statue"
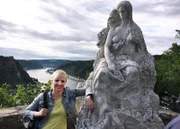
(123, 80)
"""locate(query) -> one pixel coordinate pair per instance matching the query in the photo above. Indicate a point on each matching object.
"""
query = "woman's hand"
(89, 102)
(42, 112)
(111, 67)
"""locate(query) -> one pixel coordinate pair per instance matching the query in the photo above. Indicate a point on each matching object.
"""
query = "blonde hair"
(59, 72)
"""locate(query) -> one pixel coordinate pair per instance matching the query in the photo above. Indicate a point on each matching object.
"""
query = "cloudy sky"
(67, 29)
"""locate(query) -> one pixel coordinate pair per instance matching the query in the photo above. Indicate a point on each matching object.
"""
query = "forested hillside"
(11, 72)
(39, 64)
(168, 71)
(79, 69)
(30, 64)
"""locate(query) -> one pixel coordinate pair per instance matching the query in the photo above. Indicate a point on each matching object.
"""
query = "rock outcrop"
(11, 72)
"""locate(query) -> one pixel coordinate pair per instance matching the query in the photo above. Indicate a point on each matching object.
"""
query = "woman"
(61, 112)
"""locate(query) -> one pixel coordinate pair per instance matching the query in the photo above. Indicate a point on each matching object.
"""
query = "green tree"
(168, 71)
(25, 95)
(178, 34)
(21, 95)
(6, 96)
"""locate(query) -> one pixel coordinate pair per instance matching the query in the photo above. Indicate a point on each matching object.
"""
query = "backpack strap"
(45, 105)
(46, 99)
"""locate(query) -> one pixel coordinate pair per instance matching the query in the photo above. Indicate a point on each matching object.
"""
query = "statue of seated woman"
(123, 80)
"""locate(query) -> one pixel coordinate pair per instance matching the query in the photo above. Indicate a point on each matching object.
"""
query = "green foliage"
(87, 74)
(6, 96)
(48, 85)
(79, 69)
(21, 95)
(168, 71)
(178, 34)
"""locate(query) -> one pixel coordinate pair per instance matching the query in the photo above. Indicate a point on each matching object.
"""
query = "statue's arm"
(89, 92)
(107, 53)
(89, 89)
(88, 85)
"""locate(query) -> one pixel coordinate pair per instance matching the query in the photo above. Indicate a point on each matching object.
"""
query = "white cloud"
(67, 29)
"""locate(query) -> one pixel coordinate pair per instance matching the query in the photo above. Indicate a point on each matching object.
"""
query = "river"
(43, 77)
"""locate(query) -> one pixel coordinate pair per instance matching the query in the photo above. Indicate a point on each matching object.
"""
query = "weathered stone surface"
(123, 79)
(11, 118)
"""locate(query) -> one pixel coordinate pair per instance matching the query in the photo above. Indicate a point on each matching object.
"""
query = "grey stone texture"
(123, 78)
(11, 118)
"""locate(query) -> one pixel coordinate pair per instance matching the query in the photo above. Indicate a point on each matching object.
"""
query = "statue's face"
(123, 12)
(113, 18)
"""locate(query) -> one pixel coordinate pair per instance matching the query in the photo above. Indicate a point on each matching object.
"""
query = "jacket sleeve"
(79, 92)
(29, 111)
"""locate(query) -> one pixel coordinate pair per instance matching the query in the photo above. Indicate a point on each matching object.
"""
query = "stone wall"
(11, 118)
(167, 115)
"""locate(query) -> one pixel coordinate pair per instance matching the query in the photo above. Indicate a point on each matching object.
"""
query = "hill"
(11, 72)
(79, 69)
(39, 64)
(30, 64)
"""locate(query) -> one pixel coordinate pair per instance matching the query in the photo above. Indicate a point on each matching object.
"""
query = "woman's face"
(123, 12)
(58, 83)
